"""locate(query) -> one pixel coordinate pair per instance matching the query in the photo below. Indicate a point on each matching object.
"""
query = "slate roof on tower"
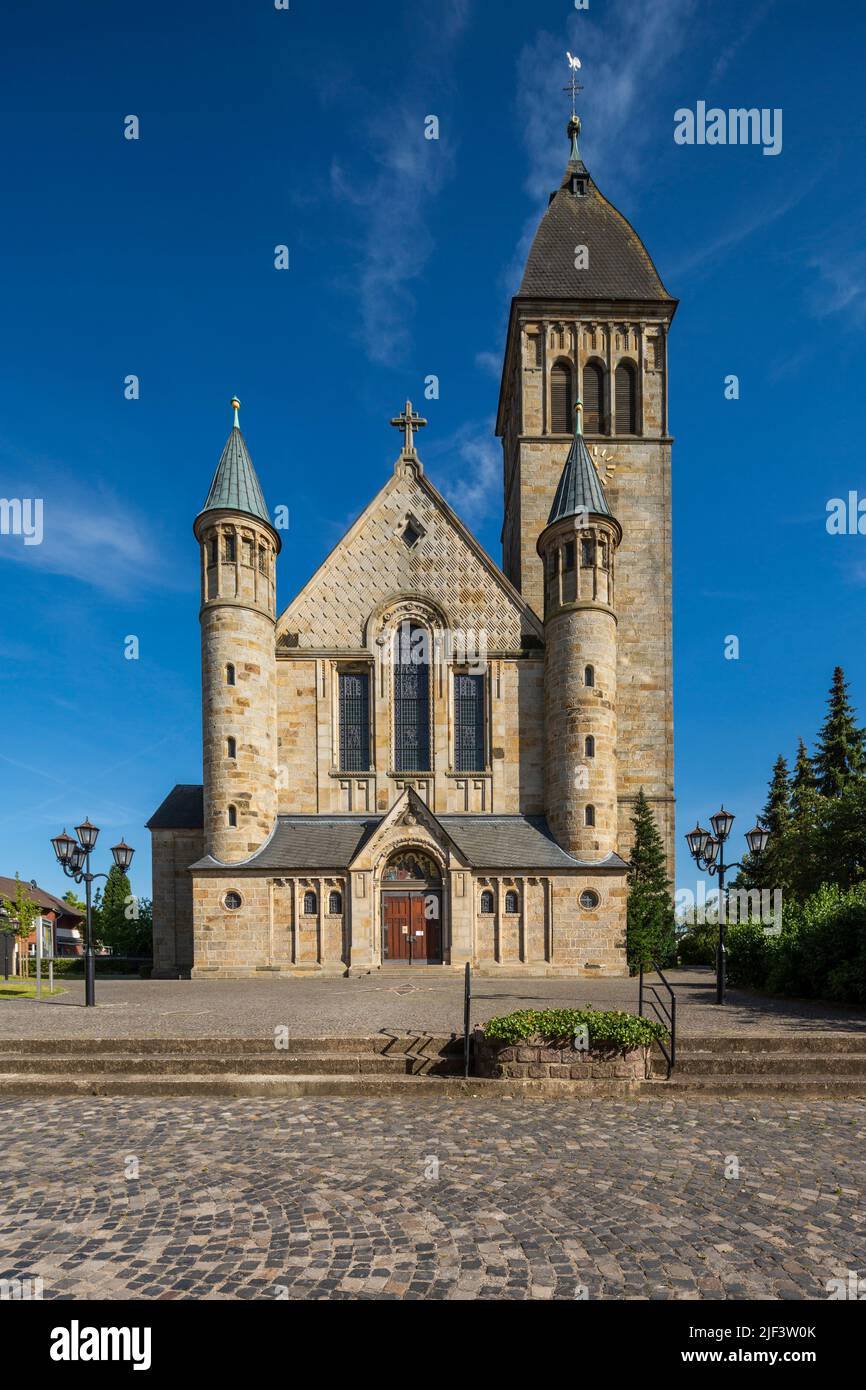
(235, 486)
(620, 267)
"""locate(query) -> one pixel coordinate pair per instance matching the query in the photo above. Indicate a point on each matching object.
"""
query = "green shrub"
(820, 953)
(698, 945)
(614, 1029)
(822, 950)
(104, 965)
(750, 952)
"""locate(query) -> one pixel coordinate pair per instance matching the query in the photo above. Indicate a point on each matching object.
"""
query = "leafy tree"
(74, 901)
(841, 752)
(650, 918)
(19, 917)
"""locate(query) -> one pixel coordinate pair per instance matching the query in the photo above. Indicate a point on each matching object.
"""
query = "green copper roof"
(580, 487)
(235, 485)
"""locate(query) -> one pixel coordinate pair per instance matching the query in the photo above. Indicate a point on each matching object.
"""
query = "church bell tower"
(590, 322)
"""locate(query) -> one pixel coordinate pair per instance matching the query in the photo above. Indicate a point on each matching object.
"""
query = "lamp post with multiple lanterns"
(708, 851)
(73, 856)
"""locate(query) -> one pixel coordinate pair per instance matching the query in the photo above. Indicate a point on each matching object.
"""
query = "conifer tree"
(771, 869)
(841, 752)
(650, 935)
(804, 857)
(113, 922)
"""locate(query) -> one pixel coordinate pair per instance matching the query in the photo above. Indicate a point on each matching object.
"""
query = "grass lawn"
(24, 989)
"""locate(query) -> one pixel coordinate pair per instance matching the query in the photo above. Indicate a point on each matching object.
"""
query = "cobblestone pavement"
(340, 1198)
(426, 1002)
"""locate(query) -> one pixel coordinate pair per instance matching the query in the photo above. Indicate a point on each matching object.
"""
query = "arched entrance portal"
(411, 910)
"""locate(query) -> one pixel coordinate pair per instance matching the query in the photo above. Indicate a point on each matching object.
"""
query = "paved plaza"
(372, 1199)
(425, 1000)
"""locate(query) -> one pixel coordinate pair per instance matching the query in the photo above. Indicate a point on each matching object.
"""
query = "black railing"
(666, 1013)
(467, 1008)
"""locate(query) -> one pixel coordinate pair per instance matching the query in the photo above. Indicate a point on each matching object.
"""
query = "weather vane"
(574, 86)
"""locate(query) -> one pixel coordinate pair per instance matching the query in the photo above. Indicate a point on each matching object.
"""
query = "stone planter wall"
(536, 1059)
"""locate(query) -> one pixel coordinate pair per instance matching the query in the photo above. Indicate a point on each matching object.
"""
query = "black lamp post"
(73, 856)
(708, 852)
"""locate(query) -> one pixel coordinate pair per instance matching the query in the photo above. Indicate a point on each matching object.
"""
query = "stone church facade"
(425, 760)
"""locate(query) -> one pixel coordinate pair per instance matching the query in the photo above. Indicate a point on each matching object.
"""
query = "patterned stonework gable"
(374, 563)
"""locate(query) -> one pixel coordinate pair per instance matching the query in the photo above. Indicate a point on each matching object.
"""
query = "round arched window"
(588, 899)
(232, 901)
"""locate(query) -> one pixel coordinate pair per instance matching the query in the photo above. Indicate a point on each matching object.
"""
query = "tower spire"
(573, 127)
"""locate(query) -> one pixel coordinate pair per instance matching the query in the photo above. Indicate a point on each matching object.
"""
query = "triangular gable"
(409, 820)
(373, 563)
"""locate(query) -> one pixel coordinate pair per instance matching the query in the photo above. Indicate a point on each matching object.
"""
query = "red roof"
(39, 895)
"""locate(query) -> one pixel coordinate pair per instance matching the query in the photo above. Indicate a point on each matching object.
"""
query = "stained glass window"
(411, 701)
(354, 721)
(469, 723)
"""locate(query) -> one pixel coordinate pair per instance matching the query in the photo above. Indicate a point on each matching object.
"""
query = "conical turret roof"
(580, 488)
(235, 486)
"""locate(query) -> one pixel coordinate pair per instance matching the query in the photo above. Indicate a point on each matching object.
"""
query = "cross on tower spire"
(408, 422)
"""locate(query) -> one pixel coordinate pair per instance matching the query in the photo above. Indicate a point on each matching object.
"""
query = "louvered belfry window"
(354, 721)
(560, 399)
(411, 701)
(593, 398)
(469, 723)
(626, 399)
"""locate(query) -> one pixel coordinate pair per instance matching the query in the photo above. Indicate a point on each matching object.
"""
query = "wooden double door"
(412, 927)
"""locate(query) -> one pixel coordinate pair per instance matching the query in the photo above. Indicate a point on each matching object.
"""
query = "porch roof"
(515, 843)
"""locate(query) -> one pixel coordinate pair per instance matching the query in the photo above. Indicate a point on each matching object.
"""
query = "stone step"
(426, 1085)
(831, 1043)
(269, 1064)
(229, 1084)
(765, 1085)
(381, 1043)
(767, 1063)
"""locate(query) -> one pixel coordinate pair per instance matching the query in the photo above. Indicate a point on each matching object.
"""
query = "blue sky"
(304, 127)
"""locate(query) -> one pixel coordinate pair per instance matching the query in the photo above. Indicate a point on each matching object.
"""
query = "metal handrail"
(666, 1015)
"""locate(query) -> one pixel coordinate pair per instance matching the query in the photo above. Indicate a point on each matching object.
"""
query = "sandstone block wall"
(635, 471)
(173, 851)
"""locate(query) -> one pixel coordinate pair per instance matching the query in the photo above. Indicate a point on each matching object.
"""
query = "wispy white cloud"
(489, 362)
(740, 229)
(839, 281)
(89, 533)
(729, 53)
(625, 60)
(467, 469)
(391, 205)
(618, 54)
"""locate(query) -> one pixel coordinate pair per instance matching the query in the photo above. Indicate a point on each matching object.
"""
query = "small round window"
(232, 901)
(588, 898)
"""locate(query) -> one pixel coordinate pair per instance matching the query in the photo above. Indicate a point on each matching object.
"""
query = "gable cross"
(408, 422)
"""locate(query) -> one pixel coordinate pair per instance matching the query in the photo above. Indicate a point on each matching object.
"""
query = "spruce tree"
(841, 752)
(771, 869)
(804, 859)
(113, 922)
(650, 934)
